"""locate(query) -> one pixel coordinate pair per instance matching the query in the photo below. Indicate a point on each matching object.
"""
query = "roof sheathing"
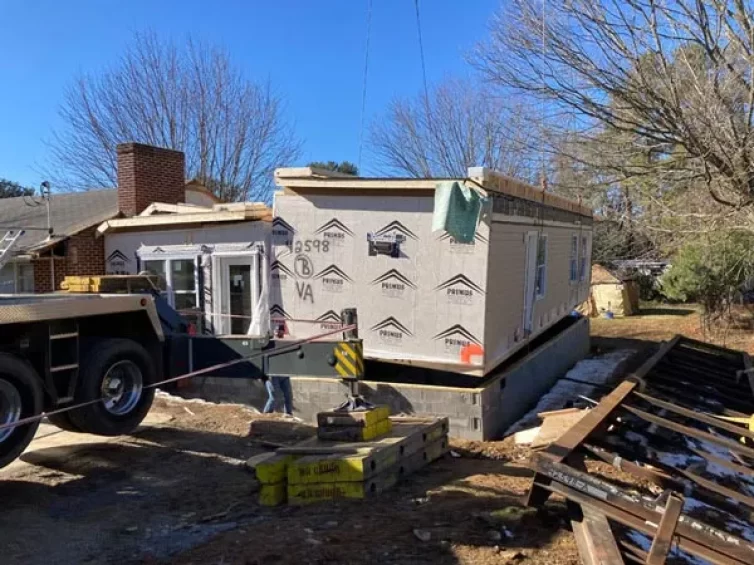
(495, 183)
(235, 212)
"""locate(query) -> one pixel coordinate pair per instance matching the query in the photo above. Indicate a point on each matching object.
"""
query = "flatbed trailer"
(91, 362)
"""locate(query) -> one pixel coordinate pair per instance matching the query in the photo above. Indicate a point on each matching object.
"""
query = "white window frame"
(574, 257)
(221, 261)
(167, 259)
(583, 257)
(541, 290)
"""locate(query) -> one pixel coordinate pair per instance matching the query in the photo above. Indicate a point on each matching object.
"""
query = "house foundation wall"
(481, 413)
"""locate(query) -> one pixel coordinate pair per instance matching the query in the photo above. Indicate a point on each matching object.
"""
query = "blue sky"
(313, 52)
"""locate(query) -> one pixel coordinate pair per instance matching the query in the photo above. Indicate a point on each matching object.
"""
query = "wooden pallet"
(667, 424)
(112, 284)
(355, 433)
(307, 493)
(316, 470)
(329, 462)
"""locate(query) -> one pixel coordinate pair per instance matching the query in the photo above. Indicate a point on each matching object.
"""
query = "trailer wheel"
(20, 397)
(117, 371)
(63, 421)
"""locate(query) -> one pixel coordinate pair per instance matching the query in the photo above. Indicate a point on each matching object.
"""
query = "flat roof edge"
(491, 181)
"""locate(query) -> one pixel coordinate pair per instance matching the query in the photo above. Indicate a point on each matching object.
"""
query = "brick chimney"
(149, 174)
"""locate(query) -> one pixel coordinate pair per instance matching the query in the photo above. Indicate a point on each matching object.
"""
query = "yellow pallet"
(364, 419)
(335, 468)
(300, 494)
(346, 433)
(319, 492)
(273, 495)
(274, 470)
(357, 461)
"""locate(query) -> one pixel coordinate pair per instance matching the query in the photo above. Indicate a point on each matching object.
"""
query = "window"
(24, 278)
(541, 282)
(183, 283)
(17, 278)
(574, 256)
(180, 278)
(582, 262)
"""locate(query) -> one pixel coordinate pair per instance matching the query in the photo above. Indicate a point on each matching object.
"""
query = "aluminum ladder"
(6, 245)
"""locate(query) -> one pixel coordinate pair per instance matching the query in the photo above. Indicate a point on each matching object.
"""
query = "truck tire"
(21, 396)
(117, 371)
(63, 421)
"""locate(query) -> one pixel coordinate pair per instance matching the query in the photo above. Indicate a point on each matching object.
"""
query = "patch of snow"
(644, 542)
(526, 436)
(677, 460)
(640, 540)
(691, 503)
(731, 523)
(638, 438)
(181, 400)
(720, 471)
(597, 370)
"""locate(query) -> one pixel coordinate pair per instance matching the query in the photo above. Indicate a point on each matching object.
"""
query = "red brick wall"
(84, 255)
(149, 174)
(43, 274)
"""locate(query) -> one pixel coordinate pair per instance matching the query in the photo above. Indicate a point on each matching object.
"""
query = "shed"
(424, 298)
(610, 293)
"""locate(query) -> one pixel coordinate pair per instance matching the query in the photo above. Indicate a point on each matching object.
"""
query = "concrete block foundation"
(482, 412)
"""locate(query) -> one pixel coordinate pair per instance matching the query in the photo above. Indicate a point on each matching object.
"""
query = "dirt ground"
(177, 491)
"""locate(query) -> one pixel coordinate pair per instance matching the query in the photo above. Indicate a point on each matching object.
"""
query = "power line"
(421, 54)
(364, 84)
(544, 99)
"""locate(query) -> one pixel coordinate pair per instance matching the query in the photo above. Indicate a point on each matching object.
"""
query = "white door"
(236, 294)
(530, 277)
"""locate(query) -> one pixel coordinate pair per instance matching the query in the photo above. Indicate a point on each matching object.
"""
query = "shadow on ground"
(666, 311)
(176, 495)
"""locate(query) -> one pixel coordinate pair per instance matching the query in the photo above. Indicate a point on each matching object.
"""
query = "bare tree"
(458, 126)
(672, 77)
(190, 98)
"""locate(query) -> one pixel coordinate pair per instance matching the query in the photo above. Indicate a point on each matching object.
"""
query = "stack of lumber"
(112, 284)
(321, 469)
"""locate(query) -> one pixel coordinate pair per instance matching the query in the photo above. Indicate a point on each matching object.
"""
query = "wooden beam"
(714, 495)
(594, 539)
(663, 539)
(749, 372)
(698, 344)
(724, 462)
(679, 384)
(719, 489)
(589, 423)
(597, 415)
(702, 417)
(693, 398)
(691, 544)
(689, 431)
(148, 222)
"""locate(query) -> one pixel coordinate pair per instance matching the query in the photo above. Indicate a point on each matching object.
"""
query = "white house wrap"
(340, 241)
